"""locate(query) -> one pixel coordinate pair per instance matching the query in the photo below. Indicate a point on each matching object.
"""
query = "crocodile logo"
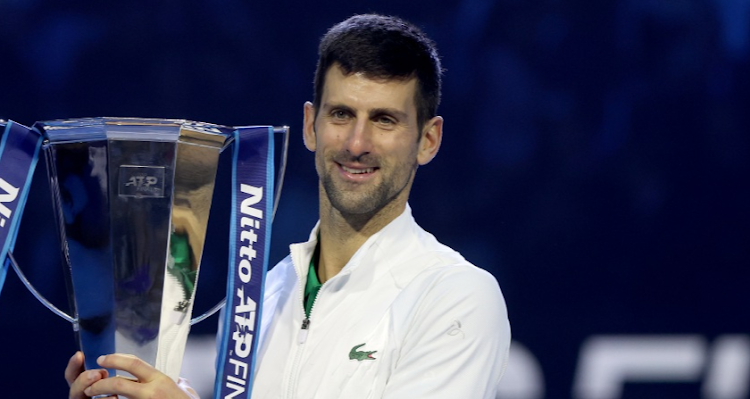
(354, 354)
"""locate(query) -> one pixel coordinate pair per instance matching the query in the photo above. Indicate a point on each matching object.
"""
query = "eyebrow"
(328, 106)
(398, 114)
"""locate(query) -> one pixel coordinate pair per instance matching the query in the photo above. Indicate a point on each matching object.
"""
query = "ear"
(429, 144)
(308, 128)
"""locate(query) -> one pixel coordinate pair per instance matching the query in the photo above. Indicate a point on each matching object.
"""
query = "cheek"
(328, 143)
(319, 161)
(408, 153)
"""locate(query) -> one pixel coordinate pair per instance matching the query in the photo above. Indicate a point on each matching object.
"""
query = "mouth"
(357, 171)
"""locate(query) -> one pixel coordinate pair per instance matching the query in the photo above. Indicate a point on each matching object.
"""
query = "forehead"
(360, 91)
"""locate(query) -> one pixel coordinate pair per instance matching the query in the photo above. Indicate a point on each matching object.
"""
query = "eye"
(340, 115)
(385, 120)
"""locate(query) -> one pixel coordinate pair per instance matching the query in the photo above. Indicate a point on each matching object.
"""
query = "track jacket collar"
(390, 235)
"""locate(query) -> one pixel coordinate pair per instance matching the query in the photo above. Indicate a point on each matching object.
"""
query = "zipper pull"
(302, 337)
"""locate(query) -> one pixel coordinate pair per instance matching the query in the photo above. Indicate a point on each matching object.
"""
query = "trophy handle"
(209, 313)
(36, 293)
(282, 166)
(277, 194)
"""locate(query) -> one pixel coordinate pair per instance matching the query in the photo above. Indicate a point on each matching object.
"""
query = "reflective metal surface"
(133, 199)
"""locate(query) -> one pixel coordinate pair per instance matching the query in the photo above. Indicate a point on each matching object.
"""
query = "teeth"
(357, 171)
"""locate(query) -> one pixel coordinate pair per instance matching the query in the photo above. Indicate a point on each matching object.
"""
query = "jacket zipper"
(301, 339)
(302, 336)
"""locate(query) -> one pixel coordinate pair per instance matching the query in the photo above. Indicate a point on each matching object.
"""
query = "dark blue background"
(595, 157)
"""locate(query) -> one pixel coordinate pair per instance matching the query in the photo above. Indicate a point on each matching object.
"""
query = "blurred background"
(595, 161)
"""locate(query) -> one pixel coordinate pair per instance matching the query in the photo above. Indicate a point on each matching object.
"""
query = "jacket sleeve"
(456, 344)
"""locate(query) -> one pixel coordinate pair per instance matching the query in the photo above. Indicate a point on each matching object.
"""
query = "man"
(372, 306)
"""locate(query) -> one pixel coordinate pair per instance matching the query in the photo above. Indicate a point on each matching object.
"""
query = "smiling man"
(372, 305)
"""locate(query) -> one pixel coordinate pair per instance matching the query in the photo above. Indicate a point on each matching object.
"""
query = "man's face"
(366, 141)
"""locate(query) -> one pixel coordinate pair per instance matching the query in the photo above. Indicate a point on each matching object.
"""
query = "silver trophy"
(132, 198)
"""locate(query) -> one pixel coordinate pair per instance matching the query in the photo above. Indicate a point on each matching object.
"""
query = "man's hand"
(78, 378)
(149, 383)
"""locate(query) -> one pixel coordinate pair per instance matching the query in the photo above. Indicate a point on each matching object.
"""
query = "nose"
(359, 140)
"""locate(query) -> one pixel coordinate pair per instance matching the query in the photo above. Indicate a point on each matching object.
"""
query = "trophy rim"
(58, 131)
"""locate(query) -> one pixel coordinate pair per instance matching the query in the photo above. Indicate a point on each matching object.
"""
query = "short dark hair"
(382, 47)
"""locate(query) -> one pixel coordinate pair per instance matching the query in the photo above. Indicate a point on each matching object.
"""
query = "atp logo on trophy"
(142, 181)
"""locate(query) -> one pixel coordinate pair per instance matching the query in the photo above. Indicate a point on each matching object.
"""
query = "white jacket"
(407, 317)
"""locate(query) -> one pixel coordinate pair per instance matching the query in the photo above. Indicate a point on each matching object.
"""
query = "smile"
(357, 171)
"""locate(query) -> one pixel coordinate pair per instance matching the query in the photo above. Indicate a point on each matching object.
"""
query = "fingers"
(78, 378)
(149, 382)
(141, 370)
(116, 386)
(75, 367)
(160, 387)
(84, 381)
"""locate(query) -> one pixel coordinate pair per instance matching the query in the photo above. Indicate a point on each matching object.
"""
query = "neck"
(342, 235)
